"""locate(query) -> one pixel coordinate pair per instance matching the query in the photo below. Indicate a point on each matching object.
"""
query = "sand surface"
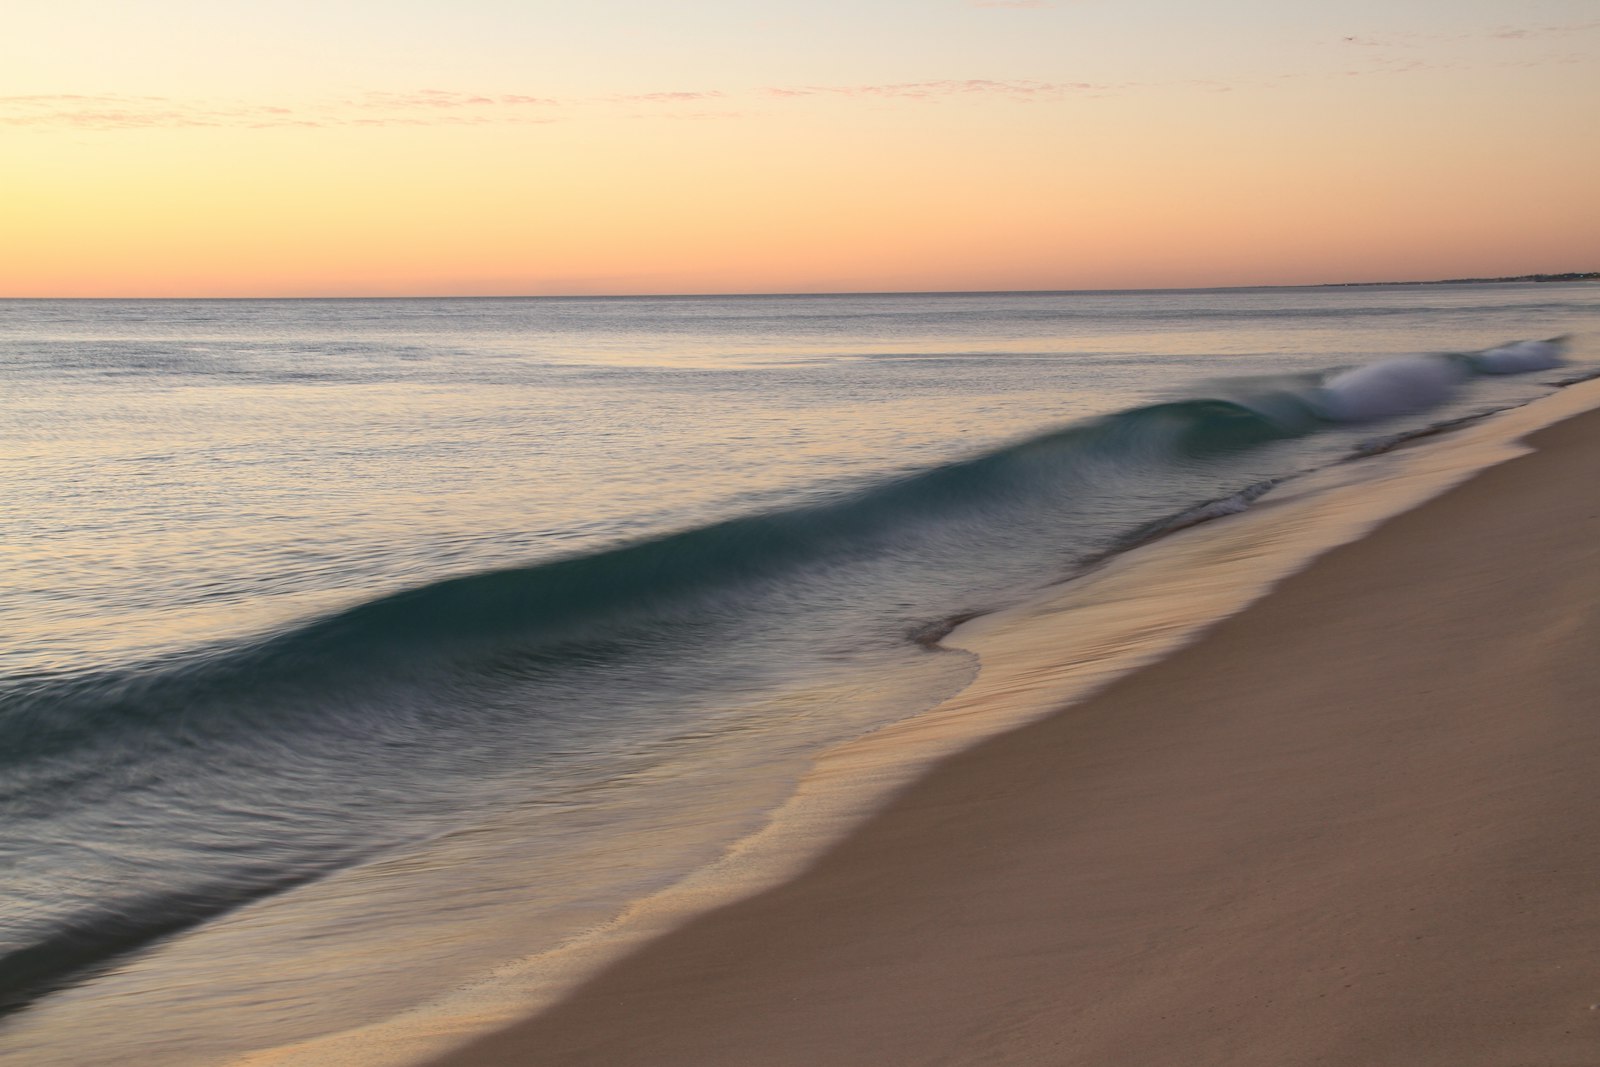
(1353, 825)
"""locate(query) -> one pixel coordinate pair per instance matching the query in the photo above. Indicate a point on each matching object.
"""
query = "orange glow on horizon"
(1480, 168)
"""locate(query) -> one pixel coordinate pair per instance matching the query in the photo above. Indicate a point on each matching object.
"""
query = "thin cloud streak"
(427, 107)
(443, 107)
(448, 107)
(1500, 33)
(671, 98)
(1403, 53)
(1015, 90)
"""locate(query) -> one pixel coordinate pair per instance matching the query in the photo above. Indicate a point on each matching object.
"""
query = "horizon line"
(1537, 278)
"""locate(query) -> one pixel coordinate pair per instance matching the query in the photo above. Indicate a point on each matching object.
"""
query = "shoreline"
(701, 1002)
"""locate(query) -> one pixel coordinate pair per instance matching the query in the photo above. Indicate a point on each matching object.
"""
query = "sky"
(490, 147)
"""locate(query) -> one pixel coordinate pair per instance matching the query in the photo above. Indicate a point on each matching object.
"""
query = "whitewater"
(358, 651)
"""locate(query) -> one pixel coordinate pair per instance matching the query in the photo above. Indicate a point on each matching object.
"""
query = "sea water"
(356, 649)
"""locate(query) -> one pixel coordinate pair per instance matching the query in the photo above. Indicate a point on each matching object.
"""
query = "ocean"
(357, 652)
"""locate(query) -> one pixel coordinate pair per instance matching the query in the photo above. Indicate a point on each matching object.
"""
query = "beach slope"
(1352, 825)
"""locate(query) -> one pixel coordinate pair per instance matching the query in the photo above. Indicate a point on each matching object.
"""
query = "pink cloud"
(1502, 33)
(1016, 90)
(427, 107)
(424, 98)
(673, 98)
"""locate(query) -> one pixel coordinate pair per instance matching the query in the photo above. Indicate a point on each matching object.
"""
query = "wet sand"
(1352, 825)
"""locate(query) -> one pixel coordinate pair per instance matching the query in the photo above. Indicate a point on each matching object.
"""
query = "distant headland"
(1575, 276)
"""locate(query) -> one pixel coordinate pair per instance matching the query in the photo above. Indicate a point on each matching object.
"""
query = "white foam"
(1519, 357)
(1391, 387)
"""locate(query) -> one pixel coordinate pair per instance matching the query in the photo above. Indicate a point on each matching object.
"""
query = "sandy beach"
(1348, 826)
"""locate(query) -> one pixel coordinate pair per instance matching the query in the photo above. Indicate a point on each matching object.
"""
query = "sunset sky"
(351, 147)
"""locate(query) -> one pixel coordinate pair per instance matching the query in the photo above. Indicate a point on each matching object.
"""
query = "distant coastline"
(1574, 276)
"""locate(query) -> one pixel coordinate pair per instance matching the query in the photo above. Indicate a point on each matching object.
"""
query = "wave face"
(144, 798)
